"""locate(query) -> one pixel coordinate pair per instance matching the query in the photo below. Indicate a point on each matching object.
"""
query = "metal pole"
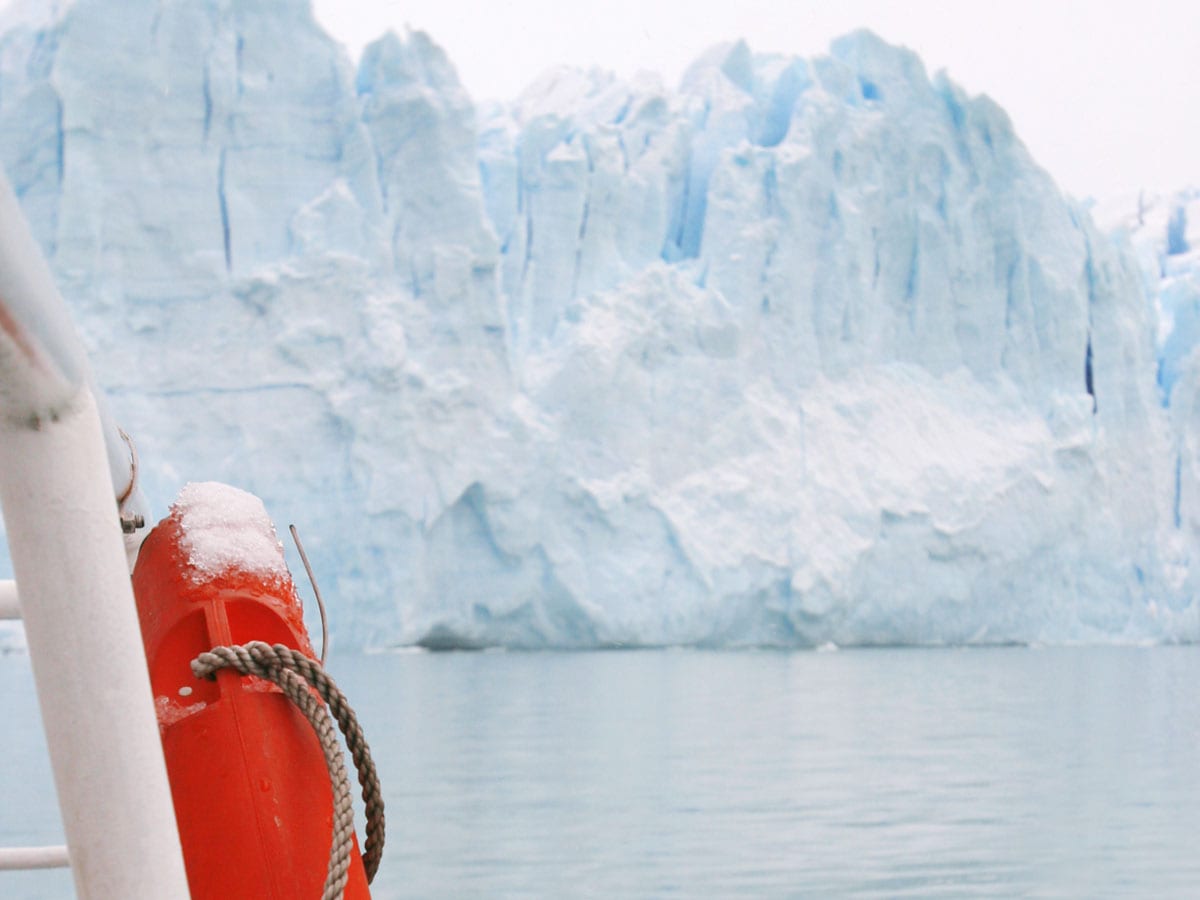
(85, 647)
(81, 628)
(45, 363)
(18, 858)
(9, 608)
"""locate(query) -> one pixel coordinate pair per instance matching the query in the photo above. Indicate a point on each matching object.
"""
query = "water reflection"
(883, 773)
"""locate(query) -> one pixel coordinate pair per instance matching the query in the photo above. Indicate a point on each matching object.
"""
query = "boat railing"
(68, 494)
(19, 858)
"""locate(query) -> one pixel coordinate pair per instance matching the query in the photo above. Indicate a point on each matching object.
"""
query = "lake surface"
(869, 773)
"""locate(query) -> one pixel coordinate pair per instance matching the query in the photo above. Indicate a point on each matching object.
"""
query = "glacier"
(802, 351)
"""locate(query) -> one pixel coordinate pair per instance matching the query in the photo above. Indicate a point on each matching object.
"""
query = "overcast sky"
(1105, 94)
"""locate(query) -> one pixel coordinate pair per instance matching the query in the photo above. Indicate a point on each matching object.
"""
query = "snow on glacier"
(805, 351)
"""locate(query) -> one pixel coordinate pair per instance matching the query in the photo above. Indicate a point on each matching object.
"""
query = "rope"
(296, 673)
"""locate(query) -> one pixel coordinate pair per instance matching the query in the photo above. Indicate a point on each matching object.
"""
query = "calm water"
(880, 773)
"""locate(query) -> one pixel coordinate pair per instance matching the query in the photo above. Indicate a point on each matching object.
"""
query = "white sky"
(1105, 94)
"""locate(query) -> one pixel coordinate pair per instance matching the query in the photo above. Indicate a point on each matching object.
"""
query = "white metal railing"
(57, 477)
(14, 858)
(19, 858)
(9, 607)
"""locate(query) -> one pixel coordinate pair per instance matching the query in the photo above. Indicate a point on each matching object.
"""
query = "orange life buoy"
(248, 778)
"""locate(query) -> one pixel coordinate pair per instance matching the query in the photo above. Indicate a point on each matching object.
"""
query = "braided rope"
(360, 753)
(295, 674)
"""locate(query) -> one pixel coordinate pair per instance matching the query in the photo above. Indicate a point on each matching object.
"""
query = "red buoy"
(248, 778)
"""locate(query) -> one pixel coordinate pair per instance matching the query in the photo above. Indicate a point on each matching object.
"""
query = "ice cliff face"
(1164, 234)
(804, 351)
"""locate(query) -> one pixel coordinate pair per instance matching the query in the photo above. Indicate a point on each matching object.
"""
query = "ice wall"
(1162, 229)
(803, 351)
